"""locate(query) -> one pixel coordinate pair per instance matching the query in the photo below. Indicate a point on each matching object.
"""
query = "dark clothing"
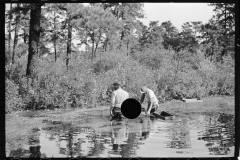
(117, 114)
(116, 110)
(154, 107)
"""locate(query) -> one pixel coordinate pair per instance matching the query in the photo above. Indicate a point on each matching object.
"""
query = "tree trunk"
(95, 50)
(55, 51)
(92, 46)
(97, 42)
(16, 34)
(225, 31)
(176, 71)
(69, 43)
(121, 42)
(127, 47)
(9, 32)
(105, 44)
(34, 35)
(25, 35)
(54, 40)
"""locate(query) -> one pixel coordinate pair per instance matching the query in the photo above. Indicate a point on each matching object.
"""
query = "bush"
(15, 71)
(13, 101)
(128, 72)
(86, 84)
(150, 58)
(21, 50)
(103, 66)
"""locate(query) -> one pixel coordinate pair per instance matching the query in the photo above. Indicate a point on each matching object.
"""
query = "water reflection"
(32, 152)
(219, 134)
(179, 135)
(198, 135)
(35, 151)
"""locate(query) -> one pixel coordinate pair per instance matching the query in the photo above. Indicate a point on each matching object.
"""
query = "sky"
(177, 13)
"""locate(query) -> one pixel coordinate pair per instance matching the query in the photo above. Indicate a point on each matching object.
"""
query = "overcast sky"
(177, 13)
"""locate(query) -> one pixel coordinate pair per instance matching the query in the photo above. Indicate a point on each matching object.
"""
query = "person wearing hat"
(118, 96)
(151, 99)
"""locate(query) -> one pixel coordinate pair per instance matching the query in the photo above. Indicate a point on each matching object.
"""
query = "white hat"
(143, 89)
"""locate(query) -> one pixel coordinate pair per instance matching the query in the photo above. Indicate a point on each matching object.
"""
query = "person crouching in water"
(151, 99)
(118, 97)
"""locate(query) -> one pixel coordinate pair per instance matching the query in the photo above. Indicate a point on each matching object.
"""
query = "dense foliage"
(195, 62)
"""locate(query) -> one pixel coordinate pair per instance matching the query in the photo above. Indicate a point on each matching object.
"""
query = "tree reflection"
(34, 147)
(71, 144)
(179, 135)
(19, 153)
(35, 152)
(97, 145)
(220, 136)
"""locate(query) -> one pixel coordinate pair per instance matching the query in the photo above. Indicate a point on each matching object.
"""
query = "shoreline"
(107, 107)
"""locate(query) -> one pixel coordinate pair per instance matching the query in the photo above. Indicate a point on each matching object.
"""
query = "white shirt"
(118, 96)
(151, 97)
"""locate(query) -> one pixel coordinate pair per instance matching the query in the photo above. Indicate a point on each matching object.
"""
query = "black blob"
(131, 108)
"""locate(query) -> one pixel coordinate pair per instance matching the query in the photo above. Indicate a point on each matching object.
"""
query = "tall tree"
(34, 34)
(17, 20)
(21, 13)
(196, 27)
(24, 22)
(127, 14)
(143, 34)
(155, 34)
(188, 37)
(53, 15)
(9, 31)
(225, 16)
(69, 42)
(70, 10)
(211, 34)
(97, 24)
(171, 36)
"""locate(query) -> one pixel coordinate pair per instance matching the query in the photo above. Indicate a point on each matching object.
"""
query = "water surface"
(193, 135)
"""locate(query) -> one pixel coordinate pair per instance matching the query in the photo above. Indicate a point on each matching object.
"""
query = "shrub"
(15, 71)
(149, 58)
(103, 65)
(13, 101)
(128, 72)
(21, 50)
(87, 84)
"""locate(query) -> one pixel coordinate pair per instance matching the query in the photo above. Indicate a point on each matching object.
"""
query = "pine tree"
(34, 35)
(171, 36)
(9, 31)
(225, 16)
(97, 24)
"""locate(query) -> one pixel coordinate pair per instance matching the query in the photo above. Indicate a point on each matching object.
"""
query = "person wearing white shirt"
(118, 97)
(151, 99)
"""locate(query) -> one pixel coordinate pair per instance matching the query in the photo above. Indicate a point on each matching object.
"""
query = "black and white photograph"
(120, 80)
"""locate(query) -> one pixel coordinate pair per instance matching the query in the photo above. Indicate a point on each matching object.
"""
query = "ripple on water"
(192, 135)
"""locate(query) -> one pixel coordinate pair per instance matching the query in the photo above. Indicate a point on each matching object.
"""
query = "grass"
(209, 105)
(20, 125)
